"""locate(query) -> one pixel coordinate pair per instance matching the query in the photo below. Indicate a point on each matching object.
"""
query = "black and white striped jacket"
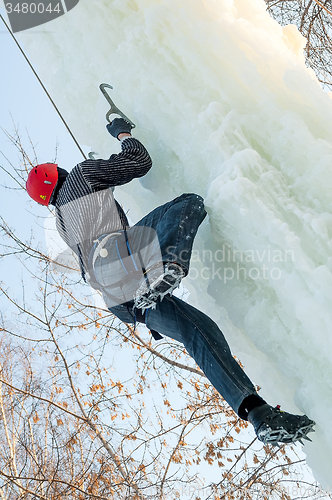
(85, 207)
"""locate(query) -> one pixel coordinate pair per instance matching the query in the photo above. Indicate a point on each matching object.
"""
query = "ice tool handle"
(114, 109)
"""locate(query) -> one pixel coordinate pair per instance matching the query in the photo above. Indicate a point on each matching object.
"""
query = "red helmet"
(41, 182)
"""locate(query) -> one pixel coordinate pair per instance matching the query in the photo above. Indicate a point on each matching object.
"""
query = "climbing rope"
(43, 86)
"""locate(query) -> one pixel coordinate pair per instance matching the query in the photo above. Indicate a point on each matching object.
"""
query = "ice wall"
(224, 103)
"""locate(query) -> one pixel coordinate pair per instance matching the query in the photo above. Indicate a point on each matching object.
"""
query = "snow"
(226, 107)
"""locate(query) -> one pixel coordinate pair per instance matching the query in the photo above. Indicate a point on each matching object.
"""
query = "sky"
(25, 106)
(24, 102)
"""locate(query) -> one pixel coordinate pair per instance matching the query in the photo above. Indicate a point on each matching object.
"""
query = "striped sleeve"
(133, 161)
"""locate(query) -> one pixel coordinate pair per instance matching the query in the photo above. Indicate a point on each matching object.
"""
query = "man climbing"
(137, 268)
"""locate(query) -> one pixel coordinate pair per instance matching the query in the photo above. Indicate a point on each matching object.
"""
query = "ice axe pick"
(114, 109)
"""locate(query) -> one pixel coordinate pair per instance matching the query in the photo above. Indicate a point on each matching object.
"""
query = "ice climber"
(137, 268)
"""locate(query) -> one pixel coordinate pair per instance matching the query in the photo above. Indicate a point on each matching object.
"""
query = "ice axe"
(114, 110)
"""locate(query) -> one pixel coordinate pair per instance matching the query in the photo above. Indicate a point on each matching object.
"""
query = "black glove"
(118, 126)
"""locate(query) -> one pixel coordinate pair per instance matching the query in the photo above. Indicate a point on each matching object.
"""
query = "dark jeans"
(176, 224)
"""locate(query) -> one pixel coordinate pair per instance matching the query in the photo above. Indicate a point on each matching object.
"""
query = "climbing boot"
(159, 281)
(273, 426)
